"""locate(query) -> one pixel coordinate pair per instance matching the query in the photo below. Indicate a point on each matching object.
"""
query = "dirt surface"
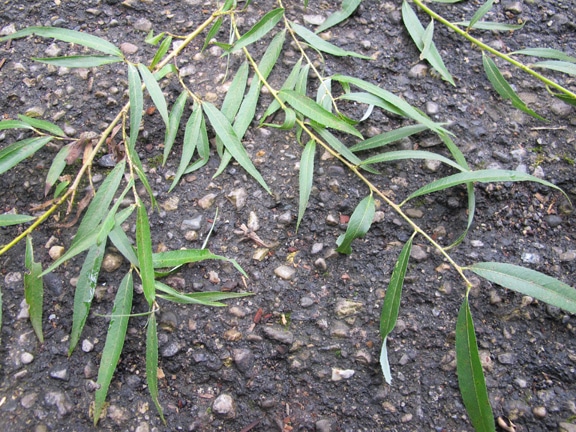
(272, 356)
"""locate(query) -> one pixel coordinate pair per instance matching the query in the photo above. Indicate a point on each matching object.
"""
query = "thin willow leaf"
(470, 375)
(391, 306)
(136, 103)
(235, 94)
(419, 36)
(144, 253)
(42, 125)
(289, 120)
(61, 188)
(78, 61)
(315, 112)
(56, 168)
(503, 88)
(203, 147)
(427, 41)
(409, 154)
(550, 53)
(211, 298)
(388, 137)
(259, 30)
(373, 100)
(115, 217)
(152, 363)
(179, 257)
(337, 145)
(139, 170)
(212, 32)
(529, 282)
(174, 123)
(289, 84)
(20, 150)
(14, 124)
(471, 211)
(191, 137)
(84, 293)
(71, 36)
(557, 65)
(8, 219)
(320, 44)
(302, 81)
(226, 133)
(358, 226)
(114, 342)
(161, 52)
(155, 92)
(153, 40)
(482, 176)
(492, 26)
(166, 69)
(121, 241)
(34, 290)
(324, 94)
(404, 107)
(454, 150)
(305, 178)
(348, 8)
(479, 14)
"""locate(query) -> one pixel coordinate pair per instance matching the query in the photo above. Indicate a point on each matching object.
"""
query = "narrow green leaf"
(454, 150)
(479, 14)
(373, 100)
(191, 137)
(557, 65)
(566, 98)
(84, 293)
(235, 94)
(78, 61)
(482, 176)
(427, 41)
(174, 123)
(152, 363)
(179, 257)
(305, 178)
(320, 44)
(14, 124)
(136, 103)
(302, 81)
(418, 35)
(259, 30)
(144, 253)
(529, 282)
(34, 290)
(211, 298)
(114, 342)
(121, 241)
(315, 112)
(337, 145)
(409, 154)
(550, 53)
(226, 133)
(155, 92)
(289, 84)
(20, 150)
(324, 94)
(358, 226)
(492, 26)
(470, 375)
(139, 170)
(166, 69)
(153, 40)
(8, 219)
(212, 32)
(62, 186)
(404, 107)
(348, 8)
(391, 306)
(71, 36)
(503, 88)
(161, 52)
(56, 168)
(388, 137)
(42, 125)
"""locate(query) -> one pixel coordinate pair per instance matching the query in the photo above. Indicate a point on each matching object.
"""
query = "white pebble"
(26, 358)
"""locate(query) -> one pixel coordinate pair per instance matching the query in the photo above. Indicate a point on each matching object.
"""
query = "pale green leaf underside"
(348, 8)
(8, 219)
(79, 61)
(358, 225)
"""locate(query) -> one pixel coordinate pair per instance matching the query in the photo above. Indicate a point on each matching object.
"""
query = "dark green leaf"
(56, 168)
(235, 94)
(348, 8)
(470, 375)
(155, 92)
(179, 257)
(114, 342)
(84, 293)
(289, 84)
(14, 124)
(479, 14)
(42, 125)
(503, 88)
(8, 219)
(161, 52)
(320, 44)
(358, 226)
(492, 26)
(192, 134)
(260, 29)
(557, 65)
(71, 36)
(305, 178)
(136, 103)
(34, 290)
(409, 154)
(174, 123)
(337, 145)
(20, 150)
(529, 282)
(78, 61)
(388, 137)
(139, 170)
(212, 32)
(144, 253)
(550, 53)
(324, 94)
(153, 40)
(152, 363)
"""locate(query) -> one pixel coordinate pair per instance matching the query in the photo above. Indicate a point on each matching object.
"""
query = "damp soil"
(275, 353)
